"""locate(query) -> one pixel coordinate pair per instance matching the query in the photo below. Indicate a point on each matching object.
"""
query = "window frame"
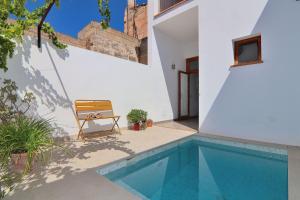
(188, 64)
(174, 6)
(239, 42)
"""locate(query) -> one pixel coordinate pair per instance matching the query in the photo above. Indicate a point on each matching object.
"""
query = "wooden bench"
(87, 110)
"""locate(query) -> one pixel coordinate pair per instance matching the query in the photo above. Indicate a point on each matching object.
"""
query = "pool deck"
(72, 175)
(294, 173)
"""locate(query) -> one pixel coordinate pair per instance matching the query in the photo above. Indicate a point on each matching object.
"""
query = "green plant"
(137, 116)
(13, 32)
(104, 12)
(25, 135)
(7, 180)
(11, 103)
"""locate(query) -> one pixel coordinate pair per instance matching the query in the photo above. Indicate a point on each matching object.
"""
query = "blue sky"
(73, 15)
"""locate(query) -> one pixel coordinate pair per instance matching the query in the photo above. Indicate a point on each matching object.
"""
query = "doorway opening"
(188, 90)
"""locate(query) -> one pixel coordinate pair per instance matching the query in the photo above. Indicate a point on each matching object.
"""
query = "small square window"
(247, 51)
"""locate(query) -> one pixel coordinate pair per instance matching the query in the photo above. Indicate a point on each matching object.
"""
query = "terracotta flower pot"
(136, 127)
(149, 123)
(19, 162)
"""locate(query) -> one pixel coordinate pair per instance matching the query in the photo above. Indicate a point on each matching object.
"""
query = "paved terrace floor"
(72, 175)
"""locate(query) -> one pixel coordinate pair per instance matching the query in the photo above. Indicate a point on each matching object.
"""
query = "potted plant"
(149, 123)
(23, 141)
(137, 118)
(143, 116)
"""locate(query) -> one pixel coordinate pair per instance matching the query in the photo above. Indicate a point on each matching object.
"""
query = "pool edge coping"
(263, 146)
(222, 140)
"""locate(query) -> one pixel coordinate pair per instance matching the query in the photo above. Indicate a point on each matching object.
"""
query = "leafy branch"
(12, 33)
(104, 11)
(12, 104)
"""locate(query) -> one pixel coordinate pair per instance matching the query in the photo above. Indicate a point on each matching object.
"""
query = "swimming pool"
(199, 169)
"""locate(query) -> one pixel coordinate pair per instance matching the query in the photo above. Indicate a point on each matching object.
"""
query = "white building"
(257, 101)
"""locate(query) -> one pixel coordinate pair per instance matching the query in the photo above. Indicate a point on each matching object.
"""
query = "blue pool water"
(197, 170)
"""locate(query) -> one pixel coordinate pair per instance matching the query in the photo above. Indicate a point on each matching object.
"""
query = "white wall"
(258, 102)
(190, 48)
(58, 78)
(153, 6)
(169, 45)
(156, 7)
(165, 52)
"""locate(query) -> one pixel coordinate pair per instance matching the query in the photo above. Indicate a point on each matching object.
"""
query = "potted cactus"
(137, 118)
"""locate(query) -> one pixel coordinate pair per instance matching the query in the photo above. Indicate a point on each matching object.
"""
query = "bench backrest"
(86, 106)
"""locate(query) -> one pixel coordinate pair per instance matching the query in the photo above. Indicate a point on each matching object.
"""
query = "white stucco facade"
(257, 102)
(58, 78)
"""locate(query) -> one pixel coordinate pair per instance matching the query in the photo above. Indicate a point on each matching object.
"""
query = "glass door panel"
(183, 110)
(193, 95)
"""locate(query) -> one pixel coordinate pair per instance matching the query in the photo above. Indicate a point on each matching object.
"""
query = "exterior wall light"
(173, 66)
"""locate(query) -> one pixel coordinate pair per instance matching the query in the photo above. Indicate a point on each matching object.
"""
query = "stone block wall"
(135, 21)
(68, 40)
(143, 51)
(110, 42)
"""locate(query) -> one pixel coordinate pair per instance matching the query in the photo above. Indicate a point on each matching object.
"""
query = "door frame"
(188, 64)
(179, 95)
(188, 72)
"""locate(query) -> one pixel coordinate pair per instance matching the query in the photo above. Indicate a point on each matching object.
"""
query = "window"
(166, 4)
(247, 51)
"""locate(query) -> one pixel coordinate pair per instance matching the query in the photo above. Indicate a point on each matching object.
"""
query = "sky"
(73, 15)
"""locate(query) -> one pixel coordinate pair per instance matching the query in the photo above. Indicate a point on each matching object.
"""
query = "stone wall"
(110, 41)
(68, 40)
(136, 25)
(135, 21)
(143, 51)
(132, 44)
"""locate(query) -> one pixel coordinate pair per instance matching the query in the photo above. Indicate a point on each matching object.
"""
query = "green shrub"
(137, 116)
(7, 180)
(22, 135)
(13, 105)
(25, 135)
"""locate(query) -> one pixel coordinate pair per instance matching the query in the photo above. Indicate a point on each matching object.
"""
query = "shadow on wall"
(31, 78)
(170, 53)
(262, 101)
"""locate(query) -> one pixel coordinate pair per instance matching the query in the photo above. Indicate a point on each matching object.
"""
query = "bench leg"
(80, 133)
(115, 121)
